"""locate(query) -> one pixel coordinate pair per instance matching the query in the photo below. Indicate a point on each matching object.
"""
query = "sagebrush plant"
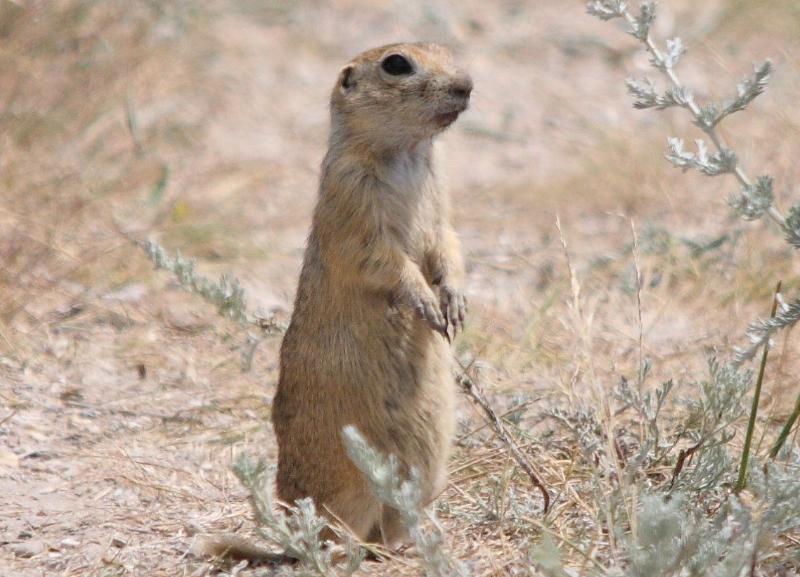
(385, 476)
(226, 294)
(664, 489)
(687, 519)
(755, 198)
(297, 532)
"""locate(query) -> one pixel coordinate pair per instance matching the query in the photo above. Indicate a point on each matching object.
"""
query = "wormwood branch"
(405, 496)
(761, 331)
(754, 199)
(474, 392)
(226, 294)
(298, 532)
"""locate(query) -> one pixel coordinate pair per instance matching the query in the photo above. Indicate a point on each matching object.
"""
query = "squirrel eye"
(396, 65)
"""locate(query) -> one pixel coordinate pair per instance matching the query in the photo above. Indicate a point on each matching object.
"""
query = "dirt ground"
(201, 125)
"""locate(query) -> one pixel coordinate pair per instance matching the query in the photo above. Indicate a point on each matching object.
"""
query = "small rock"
(70, 543)
(118, 543)
(28, 549)
(83, 425)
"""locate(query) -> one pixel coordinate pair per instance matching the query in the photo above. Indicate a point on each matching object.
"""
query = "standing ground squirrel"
(368, 343)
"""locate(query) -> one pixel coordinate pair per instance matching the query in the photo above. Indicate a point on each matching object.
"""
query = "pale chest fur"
(410, 201)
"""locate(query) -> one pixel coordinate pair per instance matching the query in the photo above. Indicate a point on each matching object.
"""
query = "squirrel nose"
(461, 87)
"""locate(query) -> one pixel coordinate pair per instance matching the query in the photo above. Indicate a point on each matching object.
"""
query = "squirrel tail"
(231, 547)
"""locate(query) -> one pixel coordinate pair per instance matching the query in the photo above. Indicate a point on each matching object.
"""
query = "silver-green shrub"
(226, 294)
(755, 198)
(689, 522)
(405, 495)
(298, 533)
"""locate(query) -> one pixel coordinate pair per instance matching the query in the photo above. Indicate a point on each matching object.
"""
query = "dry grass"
(123, 406)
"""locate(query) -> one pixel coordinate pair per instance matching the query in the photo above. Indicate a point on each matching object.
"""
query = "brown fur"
(368, 344)
(368, 341)
(235, 548)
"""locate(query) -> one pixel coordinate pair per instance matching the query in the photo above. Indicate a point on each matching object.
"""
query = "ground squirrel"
(368, 343)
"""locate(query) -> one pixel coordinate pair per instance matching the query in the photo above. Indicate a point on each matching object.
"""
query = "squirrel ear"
(346, 81)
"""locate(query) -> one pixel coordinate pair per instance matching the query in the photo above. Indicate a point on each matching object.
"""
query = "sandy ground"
(122, 400)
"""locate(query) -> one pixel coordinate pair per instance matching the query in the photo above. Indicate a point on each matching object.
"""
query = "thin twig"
(683, 456)
(511, 411)
(474, 392)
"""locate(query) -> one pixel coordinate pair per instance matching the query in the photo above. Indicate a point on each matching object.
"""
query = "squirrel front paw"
(427, 309)
(453, 305)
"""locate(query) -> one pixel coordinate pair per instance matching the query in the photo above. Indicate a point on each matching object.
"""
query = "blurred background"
(201, 125)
